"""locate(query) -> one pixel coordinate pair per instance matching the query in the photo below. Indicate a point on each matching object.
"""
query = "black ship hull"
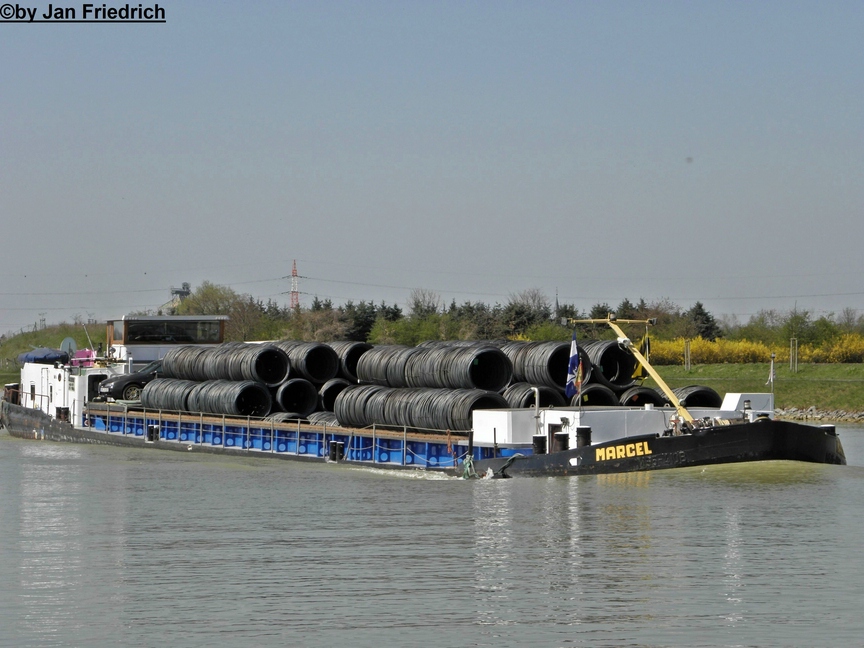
(762, 440)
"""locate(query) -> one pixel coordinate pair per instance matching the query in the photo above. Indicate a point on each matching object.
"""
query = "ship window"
(209, 331)
(117, 327)
(32, 392)
(172, 332)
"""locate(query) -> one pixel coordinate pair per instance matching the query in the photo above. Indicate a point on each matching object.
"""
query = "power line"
(604, 276)
(91, 292)
(372, 285)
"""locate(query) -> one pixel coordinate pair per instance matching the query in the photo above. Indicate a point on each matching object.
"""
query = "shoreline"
(813, 414)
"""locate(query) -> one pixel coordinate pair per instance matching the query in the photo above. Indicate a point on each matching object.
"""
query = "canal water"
(123, 547)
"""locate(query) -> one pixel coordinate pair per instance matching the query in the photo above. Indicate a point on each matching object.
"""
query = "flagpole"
(772, 374)
(573, 386)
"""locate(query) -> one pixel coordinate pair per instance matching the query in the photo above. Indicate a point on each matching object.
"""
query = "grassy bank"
(825, 386)
(7, 377)
(51, 336)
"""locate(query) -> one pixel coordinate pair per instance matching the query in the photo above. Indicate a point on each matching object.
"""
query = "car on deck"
(129, 386)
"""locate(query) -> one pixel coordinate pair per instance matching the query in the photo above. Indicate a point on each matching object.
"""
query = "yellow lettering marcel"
(622, 451)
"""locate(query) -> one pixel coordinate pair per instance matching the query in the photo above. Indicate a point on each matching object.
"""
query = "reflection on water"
(50, 528)
(703, 557)
(105, 547)
(765, 473)
(732, 575)
(58, 517)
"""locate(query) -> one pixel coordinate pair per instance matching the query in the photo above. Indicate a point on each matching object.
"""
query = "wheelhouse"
(145, 338)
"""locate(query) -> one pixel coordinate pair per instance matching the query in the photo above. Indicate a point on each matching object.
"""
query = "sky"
(689, 151)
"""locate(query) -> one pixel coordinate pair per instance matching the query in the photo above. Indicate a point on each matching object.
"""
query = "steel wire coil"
(465, 401)
(639, 396)
(444, 366)
(349, 355)
(296, 395)
(283, 417)
(544, 363)
(349, 405)
(521, 395)
(436, 344)
(414, 407)
(697, 396)
(262, 363)
(397, 408)
(184, 362)
(236, 398)
(214, 362)
(314, 361)
(482, 367)
(167, 394)
(323, 418)
(375, 405)
(329, 391)
(613, 365)
(595, 394)
(385, 365)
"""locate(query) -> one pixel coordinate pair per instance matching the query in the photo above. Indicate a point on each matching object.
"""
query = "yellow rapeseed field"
(847, 348)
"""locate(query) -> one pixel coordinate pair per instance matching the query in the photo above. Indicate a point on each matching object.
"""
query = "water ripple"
(107, 547)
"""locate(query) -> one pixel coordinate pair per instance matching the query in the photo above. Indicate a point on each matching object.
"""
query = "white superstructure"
(60, 389)
(517, 427)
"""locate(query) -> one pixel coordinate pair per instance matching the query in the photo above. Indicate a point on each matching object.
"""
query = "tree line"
(529, 315)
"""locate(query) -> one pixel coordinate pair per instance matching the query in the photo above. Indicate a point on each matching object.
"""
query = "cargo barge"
(53, 403)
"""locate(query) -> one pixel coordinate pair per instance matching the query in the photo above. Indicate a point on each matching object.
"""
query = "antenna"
(88, 338)
(295, 290)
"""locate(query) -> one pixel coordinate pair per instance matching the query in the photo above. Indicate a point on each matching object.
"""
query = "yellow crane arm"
(613, 324)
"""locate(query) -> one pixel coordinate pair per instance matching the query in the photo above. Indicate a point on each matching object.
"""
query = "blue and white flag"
(574, 371)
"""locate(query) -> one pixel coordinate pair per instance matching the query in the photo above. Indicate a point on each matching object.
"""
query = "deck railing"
(373, 445)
